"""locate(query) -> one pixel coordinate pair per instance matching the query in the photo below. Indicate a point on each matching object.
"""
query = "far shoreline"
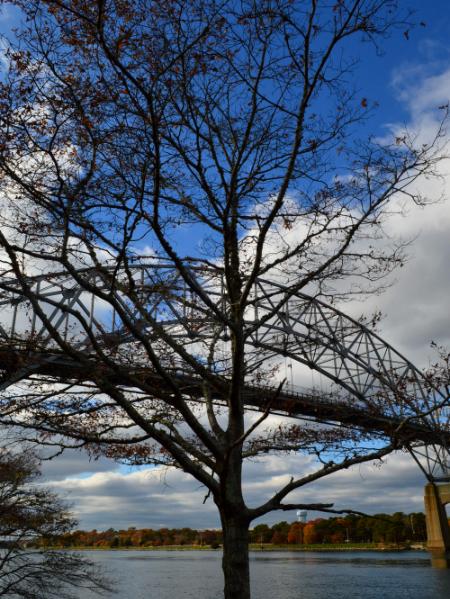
(267, 548)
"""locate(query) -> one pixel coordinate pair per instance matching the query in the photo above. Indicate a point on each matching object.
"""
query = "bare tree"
(29, 513)
(221, 139)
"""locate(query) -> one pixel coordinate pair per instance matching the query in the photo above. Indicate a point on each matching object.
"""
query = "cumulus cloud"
(74, 463)
(161, 497)
(415, 306)
(147, 497)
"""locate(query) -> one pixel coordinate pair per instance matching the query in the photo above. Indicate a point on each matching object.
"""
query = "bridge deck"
(294, 404)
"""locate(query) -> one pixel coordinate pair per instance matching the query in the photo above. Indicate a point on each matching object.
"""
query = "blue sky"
(427, 47)
(429, 44)
(408, 81)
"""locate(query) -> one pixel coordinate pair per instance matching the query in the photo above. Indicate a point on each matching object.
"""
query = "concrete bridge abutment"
(438, 530)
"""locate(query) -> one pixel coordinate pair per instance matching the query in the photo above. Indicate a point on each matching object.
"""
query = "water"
(275, 575)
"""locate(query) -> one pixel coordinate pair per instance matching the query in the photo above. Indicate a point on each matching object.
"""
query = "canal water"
(275, 575)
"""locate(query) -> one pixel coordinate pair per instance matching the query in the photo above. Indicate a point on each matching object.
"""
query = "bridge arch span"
(370, 374)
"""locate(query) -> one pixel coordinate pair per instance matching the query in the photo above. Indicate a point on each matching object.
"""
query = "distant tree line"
(382, 528)
(134, 537)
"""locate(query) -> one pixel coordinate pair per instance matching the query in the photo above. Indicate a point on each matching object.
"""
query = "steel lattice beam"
(377, 383)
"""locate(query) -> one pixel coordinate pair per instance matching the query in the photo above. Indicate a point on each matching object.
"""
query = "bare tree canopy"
(219, 139)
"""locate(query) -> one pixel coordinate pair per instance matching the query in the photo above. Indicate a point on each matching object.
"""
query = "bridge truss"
(372, 386)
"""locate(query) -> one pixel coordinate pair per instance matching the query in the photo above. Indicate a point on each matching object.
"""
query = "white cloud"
(151, 497)
(416, 305)
(160, 497)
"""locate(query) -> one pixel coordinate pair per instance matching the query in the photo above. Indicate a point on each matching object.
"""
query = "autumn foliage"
(382, 529)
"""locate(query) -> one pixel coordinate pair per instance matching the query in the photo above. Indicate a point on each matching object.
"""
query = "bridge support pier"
(438, 531)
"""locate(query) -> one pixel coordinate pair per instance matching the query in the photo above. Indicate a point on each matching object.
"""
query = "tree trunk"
(235, 562)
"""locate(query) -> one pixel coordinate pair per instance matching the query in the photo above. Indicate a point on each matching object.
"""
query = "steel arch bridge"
(374, 387)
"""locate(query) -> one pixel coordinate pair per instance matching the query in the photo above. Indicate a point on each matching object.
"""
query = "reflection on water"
(372, 560)
(276, 575)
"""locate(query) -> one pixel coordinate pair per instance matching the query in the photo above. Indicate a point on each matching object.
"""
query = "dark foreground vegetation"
(29, 513)
(383, 529)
